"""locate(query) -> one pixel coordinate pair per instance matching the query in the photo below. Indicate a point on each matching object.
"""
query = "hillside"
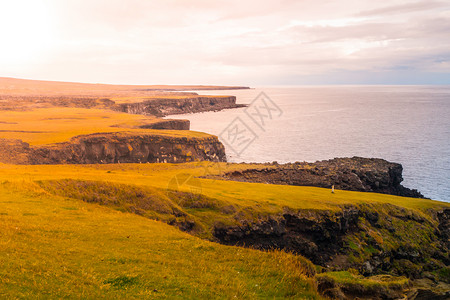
(54, 247)
(370, 233)
(101, 197)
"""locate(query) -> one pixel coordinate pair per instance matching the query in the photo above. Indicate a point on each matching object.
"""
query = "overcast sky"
(227, 42)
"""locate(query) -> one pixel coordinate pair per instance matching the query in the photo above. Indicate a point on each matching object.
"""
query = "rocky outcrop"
(172, 106)
(120, 147)
(354, 174)
(168, 124)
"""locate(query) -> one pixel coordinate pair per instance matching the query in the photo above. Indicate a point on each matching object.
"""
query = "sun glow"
(25, 31)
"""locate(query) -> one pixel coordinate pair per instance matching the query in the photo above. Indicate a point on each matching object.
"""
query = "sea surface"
(405, 124)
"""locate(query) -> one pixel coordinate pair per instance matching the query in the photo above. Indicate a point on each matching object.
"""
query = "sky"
(253, 43)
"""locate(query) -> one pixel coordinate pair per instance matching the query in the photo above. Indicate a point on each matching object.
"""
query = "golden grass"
(54, 125)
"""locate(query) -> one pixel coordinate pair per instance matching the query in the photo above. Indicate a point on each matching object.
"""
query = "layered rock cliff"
(172, 106)
(120, 147)
(373, 239)
(354, 174)
(168, 124)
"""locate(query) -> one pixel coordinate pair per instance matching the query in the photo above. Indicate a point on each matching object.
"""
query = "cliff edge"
(117, 147)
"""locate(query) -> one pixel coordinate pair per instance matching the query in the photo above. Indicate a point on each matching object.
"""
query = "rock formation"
(354, 174)
(373, 239)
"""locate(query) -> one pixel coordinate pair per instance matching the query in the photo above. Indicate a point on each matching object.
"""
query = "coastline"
(344, 215)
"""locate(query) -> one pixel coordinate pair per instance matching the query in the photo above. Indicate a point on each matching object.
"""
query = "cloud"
(239, 42)
(405, 8)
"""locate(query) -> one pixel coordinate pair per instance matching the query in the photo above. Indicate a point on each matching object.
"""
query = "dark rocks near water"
(354, 174)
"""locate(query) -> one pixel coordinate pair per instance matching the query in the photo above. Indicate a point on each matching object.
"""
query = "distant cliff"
(168, 124)
(120, 147)
(155, 106)
(172, 106)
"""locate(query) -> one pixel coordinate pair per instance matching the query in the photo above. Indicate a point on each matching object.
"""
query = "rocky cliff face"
(122, 147)
(169, 106)
(316, 235)
(354, 174)
(372, 239)
(168, 124)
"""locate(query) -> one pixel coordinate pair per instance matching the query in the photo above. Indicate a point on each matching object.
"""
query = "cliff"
(172, 106)
(121, 147)
(354, 174)
(368, 239)
(329, 238)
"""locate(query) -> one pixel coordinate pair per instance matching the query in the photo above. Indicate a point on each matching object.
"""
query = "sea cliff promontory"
(353, 174)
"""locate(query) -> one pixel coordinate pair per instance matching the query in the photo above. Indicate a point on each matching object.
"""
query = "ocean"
(405, 124)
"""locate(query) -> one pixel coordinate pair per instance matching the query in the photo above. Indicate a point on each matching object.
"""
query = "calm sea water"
(405, 124)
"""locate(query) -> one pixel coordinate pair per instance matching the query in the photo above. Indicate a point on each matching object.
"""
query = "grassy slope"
(269, 197)
(225, 200)
(52, 247)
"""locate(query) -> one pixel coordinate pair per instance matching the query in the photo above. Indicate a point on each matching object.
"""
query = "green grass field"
(269, 196)
(54, 247)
